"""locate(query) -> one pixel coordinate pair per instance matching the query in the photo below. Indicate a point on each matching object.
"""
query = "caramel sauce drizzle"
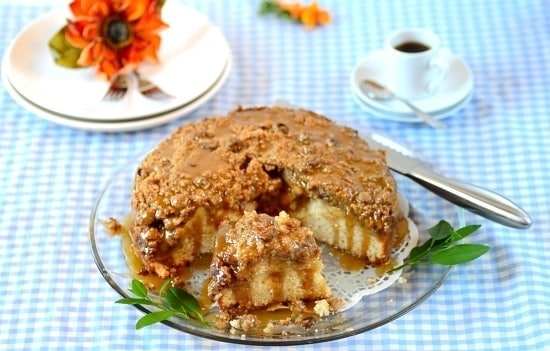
(265, 316)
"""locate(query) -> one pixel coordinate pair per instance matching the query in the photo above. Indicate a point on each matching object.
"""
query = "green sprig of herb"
(443, 247)
(170, 302)
(271, 7)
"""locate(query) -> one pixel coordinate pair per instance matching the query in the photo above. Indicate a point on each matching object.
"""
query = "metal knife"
(470, 197)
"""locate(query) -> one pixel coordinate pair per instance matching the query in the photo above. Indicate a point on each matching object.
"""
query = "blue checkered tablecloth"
(53, 297)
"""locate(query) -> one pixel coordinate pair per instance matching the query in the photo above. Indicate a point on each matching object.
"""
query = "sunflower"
(115, 36)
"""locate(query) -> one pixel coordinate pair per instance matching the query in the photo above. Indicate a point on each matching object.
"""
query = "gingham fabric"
(53, 297)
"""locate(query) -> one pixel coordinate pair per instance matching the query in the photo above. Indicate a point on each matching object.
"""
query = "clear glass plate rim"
(249, 340)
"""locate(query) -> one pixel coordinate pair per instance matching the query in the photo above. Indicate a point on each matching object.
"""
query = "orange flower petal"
(90, 31)
(91, 54)
(152, 49)
(293, 9)
(75, 33)
(308, 18)
(107, 69)
(86, 32)
(76, 8)
(149, 24)
(323, 17)
(90, 8)
(136, 9)
(85, 58)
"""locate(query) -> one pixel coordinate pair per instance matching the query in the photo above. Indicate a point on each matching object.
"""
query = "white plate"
(193, 55)
(457, 85)
(118, 126)
(410, 117)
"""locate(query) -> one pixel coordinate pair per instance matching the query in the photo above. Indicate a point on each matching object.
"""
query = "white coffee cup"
(416, 64)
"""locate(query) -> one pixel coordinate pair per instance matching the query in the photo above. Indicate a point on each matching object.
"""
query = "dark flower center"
(117, 32)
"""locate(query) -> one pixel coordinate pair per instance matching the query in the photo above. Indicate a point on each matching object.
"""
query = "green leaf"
(153, 317)
(135, 301)
(419, 251)
(172, 301)
(459, 254)
(441, 230)
(268, 6)
(63, 52)
(138, 288)
(467, 230)
(271, 7)
(165, 285)
(441, 248)
(181, 300)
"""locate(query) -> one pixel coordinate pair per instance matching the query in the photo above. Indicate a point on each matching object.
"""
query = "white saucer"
(410, 117)
(193, 56)
(118, 126)
(457, 85)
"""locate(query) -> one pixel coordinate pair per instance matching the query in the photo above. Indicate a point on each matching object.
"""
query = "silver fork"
(117, 89)
(150, 89)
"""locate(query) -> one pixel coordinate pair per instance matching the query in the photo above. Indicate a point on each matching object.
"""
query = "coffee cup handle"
(439, 66)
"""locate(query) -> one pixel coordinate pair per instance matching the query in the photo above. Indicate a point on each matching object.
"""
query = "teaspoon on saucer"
(377, 91)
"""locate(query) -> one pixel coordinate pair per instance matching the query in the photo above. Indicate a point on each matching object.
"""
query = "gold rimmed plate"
(193, 56)
(124, 125)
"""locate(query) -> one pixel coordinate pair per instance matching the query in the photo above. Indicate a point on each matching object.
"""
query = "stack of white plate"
(452, 95)
(195, 61)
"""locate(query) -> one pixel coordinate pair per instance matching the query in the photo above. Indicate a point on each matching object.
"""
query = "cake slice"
(264, 262)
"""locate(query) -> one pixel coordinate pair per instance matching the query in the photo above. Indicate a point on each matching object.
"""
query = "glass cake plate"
(370, 299)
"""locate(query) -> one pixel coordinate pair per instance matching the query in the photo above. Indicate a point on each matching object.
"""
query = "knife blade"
(471, 197)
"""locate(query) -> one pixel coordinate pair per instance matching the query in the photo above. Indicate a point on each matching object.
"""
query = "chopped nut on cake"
(264, 159)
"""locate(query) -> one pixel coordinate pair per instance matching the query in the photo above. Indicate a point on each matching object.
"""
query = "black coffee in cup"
(412, 47)
(416, 64)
